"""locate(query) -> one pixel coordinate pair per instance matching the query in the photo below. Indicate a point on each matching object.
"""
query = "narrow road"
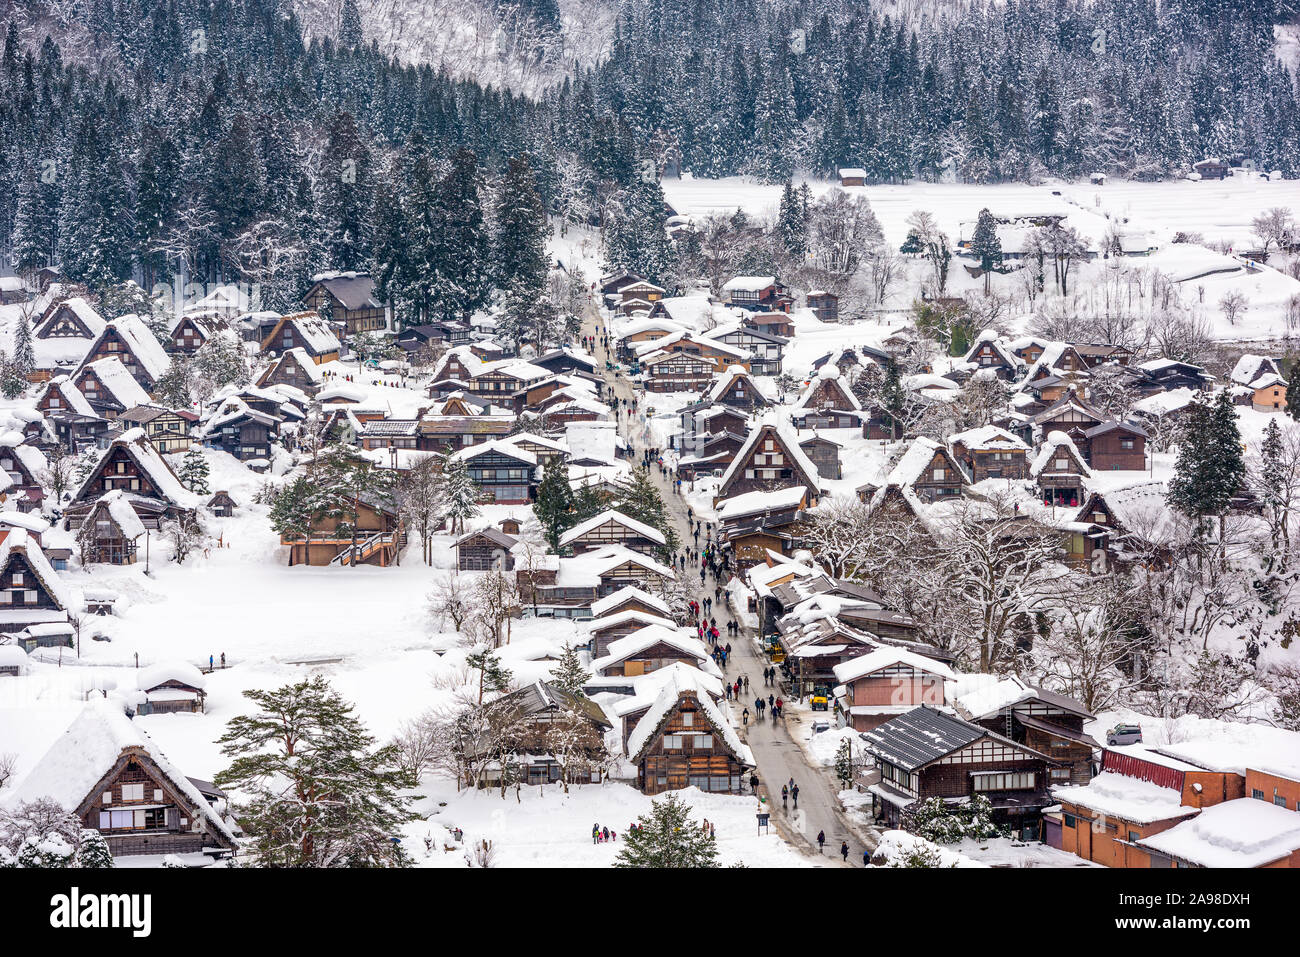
(779, 758)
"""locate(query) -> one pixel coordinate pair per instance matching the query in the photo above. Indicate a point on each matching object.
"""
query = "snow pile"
(1129, 798)
(1240, 833)
(895, 846)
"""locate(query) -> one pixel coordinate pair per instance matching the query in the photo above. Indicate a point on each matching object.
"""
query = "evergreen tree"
(293, 511)
(460, 493)
(320, 794)
(792, 224)
(193, 472)
(1293, 390)
(636, 237)
(568, 672)
(461, 251)
(667, 837)
(350, 34)
(1210, 468)
(554, 505)
(642, 501)
(985, 245)
(519, 231)
(24, 354)
(494, 678)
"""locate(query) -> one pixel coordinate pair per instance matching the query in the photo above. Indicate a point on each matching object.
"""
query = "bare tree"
(1234, 305)
(450, 598)
(418, 498)
(1274, 227)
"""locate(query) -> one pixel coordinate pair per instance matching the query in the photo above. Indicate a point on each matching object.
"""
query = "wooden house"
(771, 323)
(827, 403)
(988, 352)
(1165, 375)
(770, 460)
(612, 527)
(1059, 471)
(630, 599)
(824, 454)
(243, 431)
(757, 294)
(222, 505)
(110, 532)
(1072, 415)
(1050, 723)
(754, 523)
(825, 305)
(928, 470)
(134, 467)
(129, 340)
(451, 433)
(348, 298)
(505, 474)
(990, 452)
(1112, 446)
(650, 648)
(126, 789)
(535, 715)
(764, 345)
(109, 387)
(677, 372)
(604, 631)
(683, 740)
(374, 534)
(483, 550)
(735, 388)
(853, 176)
(494, 379)
(62, 336)
(25, 465)
(927, 753)
(194, 331)
(886, 682)
(294, 367)
(173, 687)
(1211, 169)
(31, 592)
(306, 331)
(711, 456)
(168, 430)
(76, 425)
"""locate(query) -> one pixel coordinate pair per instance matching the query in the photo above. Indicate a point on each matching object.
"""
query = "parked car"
(1124, 734)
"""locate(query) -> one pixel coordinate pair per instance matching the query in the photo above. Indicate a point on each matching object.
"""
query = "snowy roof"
(496, 445)
(748, 283)
(1162, 403)
(354, 290)
(626, 616)
(922, 735)
(988, 437)
(627, 593)
(884, 657)
(71, 395)
(144, 345)
(84, 311)
(119, 507)
(760, 501)
(1055, 440)
(314, 331)
(914, 462)
(684, 680)
(788, 438)
(992, 339)
(1241, 833)
(115, 377)
(151, 464)
(19, 542)
(630, 644)
(612, 515)
(89, 749)
(1132, 799)
(181, 671)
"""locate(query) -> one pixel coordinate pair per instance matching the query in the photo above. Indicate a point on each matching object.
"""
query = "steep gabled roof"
(612, 515)
(628, 593)
(18, 543)
(117, 379)
(152, 465)
(684, 682)
(769, 424)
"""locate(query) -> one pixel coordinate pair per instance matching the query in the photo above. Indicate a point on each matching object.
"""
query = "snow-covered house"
(990, 352)
(887, 682)
(685, 740)
(990, 452)
(1059, 470)
(828, 402)
(349, 299)
(195, 331)
(770, 459)
(63, 335)
(306, 331)
(25, 465)
(31, 592)
(108, 772)
(129, 340)
(109, 387)
(168, 430)
(612, 527)
(134, 467)
(650, 648)
(169, 688)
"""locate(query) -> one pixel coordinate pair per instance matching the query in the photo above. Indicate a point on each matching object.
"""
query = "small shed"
(53, 634)
(222, 505)
(99, 601)
(509, 525)
(171, 687)
(853, 176)
(1097, 179)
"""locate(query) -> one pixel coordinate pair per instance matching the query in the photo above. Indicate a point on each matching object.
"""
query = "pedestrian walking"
(844, 851)
(794, 793)
(753, 778)
(595, 834)
(745, 717)
(821, 841)
(223, 659)
(785, 796)
(746, 678)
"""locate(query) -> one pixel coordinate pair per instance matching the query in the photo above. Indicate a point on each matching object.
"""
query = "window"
(1279, 800)
(1126, 443)
(132, 792)
(157, 794)
(30, 597)
(18, 578)
(939, 475)
(672, 742)
(1068, 820)
(1004, 782)
(704, 742)
(688, 719)
(1060, 775)
(1133, 836)
(1257, 794)
(106, 797)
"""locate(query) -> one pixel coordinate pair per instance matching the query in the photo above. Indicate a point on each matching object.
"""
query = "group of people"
(844, 849)
(603, 835)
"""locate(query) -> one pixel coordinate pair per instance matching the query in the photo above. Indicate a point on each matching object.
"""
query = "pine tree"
(24, 354)
(293, 511)
(1293, 390)
(460, 493)
(519, 231)
(350, 34)
(320, 794)
(193, 472)
(554, 504)
(493, 677)
(461, 250)
(1210, 468)
(844, 764)
(568, 672)
(642, 501)
(985, 245)
(667, 837)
